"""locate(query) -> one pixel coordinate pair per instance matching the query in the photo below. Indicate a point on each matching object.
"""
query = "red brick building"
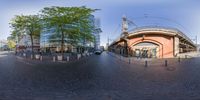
(154, 42)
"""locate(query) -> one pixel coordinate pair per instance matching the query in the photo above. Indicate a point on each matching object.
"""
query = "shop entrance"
(146, 50)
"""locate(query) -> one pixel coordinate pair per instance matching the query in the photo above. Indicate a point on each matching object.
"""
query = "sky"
(181, 14)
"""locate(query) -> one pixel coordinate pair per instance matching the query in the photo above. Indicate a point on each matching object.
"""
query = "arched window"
(145, 50)
(146, 44)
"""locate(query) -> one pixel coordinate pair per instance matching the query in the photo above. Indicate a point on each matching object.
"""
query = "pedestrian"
(40, 52)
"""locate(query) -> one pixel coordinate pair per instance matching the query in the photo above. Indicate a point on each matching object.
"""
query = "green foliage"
(70, 22)
(29, 24)
(11, 44)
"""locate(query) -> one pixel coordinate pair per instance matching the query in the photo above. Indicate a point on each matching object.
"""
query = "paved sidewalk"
(150, 62)
(98, 77)
(52, 58)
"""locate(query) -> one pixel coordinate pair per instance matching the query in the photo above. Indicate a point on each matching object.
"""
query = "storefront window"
(145, 50)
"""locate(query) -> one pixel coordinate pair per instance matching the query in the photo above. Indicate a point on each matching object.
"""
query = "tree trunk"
(62, 45)
(84, 44)
(32, 53)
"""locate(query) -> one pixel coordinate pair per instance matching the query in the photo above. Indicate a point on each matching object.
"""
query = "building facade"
(24, 43)
(154, 42)
(3, 45)
(49, 44)
(97, 30)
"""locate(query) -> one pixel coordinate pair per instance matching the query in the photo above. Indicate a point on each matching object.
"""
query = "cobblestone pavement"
(98, 77)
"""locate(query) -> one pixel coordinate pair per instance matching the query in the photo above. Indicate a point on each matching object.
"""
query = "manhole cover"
(171, 68)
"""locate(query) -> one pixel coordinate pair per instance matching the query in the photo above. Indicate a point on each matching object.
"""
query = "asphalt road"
(98, 77)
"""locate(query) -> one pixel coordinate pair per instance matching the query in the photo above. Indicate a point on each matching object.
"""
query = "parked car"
(98, 52)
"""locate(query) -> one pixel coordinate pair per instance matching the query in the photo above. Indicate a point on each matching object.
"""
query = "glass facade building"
(53, 44)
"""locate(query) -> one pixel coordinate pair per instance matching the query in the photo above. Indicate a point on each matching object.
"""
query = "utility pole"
(1, 44)
(196, 40)
(125, 35)
(107, 44)
(108, 40)
(124, 25)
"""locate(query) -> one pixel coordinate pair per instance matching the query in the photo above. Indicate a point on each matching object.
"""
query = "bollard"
(129, 61)
(185, 56)
(60, 58)
(54, 58)
(88, 54)
(179, 59)
(24, 54)
(41, 58)
(84, 55)
(67, 58)
(78, 56)
(31, 56)
(146, 64)
(165, 63)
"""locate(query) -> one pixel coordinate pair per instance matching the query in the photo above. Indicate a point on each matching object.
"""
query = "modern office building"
(97, 33)
(47, 43)
(24, 43)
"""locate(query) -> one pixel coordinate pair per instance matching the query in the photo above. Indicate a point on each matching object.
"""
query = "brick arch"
(151, 41)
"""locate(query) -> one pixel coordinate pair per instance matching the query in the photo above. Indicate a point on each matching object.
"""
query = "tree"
(17, 27)
(29, 25)
(11, 44)
(69, 22)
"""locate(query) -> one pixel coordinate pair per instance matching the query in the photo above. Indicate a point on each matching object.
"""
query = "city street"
(97, 77)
